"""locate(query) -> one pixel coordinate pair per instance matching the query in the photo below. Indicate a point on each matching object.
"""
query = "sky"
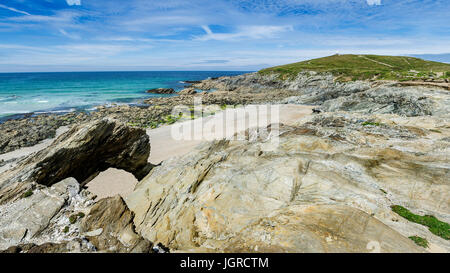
(245, 35)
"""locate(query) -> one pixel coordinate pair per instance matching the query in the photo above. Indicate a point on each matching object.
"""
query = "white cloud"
(13, 9)
(69, 35)
(252, 32)
(373, 2)
(73, 2)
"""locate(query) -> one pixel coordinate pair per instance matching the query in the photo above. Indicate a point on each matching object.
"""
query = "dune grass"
(363, 67)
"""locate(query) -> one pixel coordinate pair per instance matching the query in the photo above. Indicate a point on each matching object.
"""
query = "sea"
(62, 92)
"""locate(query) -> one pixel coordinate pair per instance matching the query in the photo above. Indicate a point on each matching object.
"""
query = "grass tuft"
(28, 193)
(419, 241)
(369, 123)
(435, 226)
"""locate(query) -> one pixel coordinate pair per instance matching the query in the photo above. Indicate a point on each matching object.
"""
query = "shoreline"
(342, 149)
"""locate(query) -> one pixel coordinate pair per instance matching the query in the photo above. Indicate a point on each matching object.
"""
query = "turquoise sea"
(22, 93)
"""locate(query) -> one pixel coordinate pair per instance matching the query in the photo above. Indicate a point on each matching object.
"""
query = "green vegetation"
(28, 193)
(73, 218)
(367, 123)
(383, 191)
(66, 229)
(172, 119)
(419, 241)
(365, 67)
(435, 131)
(435, 226)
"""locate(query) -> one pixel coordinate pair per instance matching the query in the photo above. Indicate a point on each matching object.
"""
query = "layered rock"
(356, 96)
(83, 152)
(326, 185)
(406, 101)
(109, 227)
(187, 91)
(39, 214)
(161, 91)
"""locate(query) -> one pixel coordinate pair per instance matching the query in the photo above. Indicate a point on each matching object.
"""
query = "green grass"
(27, 194)
(365, 67)
(435, 226)
(367, 123)
(419, 241)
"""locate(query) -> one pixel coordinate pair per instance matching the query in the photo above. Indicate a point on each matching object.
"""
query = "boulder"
(188, 91)
(83, 152)
(109, 227)
(161, 91)
(28, 215)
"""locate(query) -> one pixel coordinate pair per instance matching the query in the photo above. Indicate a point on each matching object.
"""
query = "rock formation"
(161, 91)
(83, 152)
(187, 91)
(326, 185)
(109, 227)
(39, 213)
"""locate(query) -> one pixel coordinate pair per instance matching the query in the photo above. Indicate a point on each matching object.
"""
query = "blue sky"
(86, 35)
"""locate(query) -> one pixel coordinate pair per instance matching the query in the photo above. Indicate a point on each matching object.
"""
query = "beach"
(164, 147)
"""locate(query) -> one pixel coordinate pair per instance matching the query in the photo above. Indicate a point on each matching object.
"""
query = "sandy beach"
(164, 146)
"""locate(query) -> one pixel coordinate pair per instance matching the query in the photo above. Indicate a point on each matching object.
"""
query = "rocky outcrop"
(33, 216)
(15, 134)
(109, 227)
(356, 96)
(161, 91)
(326, 185)
(83, 152)
(406, 101)
(187, 91)
(63, 219)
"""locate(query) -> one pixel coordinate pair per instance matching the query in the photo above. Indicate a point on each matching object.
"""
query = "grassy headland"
(367, 67)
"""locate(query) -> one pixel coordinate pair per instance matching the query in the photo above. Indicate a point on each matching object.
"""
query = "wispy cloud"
(70, 35)
(374, 2)
(73, 2)
(13, 9)
(244, 32)
(222, 33)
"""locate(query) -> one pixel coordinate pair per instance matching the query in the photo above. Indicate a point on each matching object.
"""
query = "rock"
(30, 131)
(24, 218)
(325, 185)
(109, 227)
(75, 246)
(188, 91)
(405, 101)
(83, 152)
(161, 91)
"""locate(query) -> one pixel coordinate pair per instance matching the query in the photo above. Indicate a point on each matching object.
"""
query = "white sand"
(164, 146)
